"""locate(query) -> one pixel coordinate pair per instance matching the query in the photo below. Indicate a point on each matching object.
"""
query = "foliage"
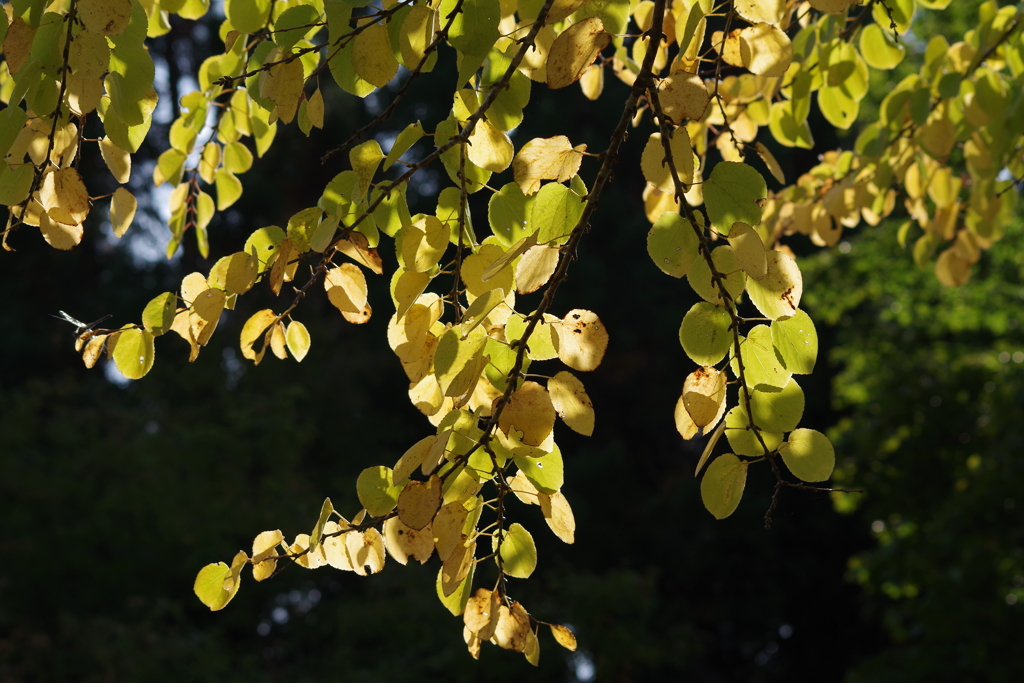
(465, 347)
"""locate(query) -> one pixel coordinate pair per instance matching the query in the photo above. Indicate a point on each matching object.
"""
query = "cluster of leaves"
(466, 348)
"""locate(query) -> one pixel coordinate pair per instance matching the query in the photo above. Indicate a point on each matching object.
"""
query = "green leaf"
(235, 274)
(229, 189)
(237, 157)
(722, 486)
(248, 16)
(797, 342)
(724, 258)
(158, 316)
(546, 472)
(266, 242)
(556, 211)
(133, 353)
(210, 586)
(878, 48)
(456, 360)
(763, 367)
(704, 333)
(377, 491)
(672, 244)
(518, 552)
(508, 212)
(809, 455)
(301, 227)
(293, 24)
(406, 139)
(741, 438)
(475, 30)
(778, 411)
(733, 194)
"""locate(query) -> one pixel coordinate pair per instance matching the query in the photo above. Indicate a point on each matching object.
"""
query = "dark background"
(115, 495)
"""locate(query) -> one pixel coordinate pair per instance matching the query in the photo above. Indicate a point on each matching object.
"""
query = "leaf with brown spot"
(582, 340)
(481, 615)
(704, 395)
(457, 566)
(530, 411)
(546, 159)
(571, 402)
(405, 543)
(574, 50)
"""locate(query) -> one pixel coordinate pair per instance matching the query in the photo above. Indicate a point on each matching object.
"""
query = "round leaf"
(133, 353)
(672, 244)
(778, 411)
(722, 485)
(705, 334)
(809, 455)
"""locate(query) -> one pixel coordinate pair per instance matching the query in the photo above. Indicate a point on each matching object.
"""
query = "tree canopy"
(478, 213)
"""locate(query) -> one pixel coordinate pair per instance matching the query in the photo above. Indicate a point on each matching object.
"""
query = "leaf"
(809, 455)
(684, 423)
(733, 194)
(235, 274)
(546, 472)
(122, 211)
(558, 514)
(458, 360)
(726, 263)
(672, 244)
(118, 161)
(489, 148)
(556, 211)
(564, 636)
(405, 543)
(574, 50)
(778, 411)
(796, 341)
(455, 601)
(297, 339)
(778, 294)
(754, 11)
(458, 566)
(326, 510)
(704, 395)
(253, 329)
(158, 316)
(346, 288)
(741, 437)
(481, 615)
(376, 490)
(133, 354)
(518, 552)
(204, 313)
(530, 411)
(409, 136)
(365, 158)
(263, 546)
(229, 189)
(105, 17)
(749, 250)
(764, 368)
(475, 30)
(765, 50)
(372, 56)
(571, 402)
(655, 166)
(709, 447)
(216, 584)
(247, 16)
(64, 197)
(545, 159)
(770, 161)
(536, 267)
(419, 501)
(683, 96)
(722, 485)
(582, 340)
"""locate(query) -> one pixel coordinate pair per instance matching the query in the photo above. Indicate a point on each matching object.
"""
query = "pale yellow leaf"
(536, 267)
(574, 50)
(546, 159)
(122, 211)
(582, 340)
(570, 400)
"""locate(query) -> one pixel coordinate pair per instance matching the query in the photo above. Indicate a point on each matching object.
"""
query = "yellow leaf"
(365, 158)
(481, 615)
(423, 243)
(564, 636)
(346, 288)
(704, 395)
(684, 423)
(769, 160)
(536, 267)
(235, 274)
(754, 11)
(458, 565)
(530, 411)
(64, 197)
(571, 402)
(832, 6)
(405, 543)
(558, 514)
(372, 56)
(366, 551)
(778, 294)
(93, 349)
(357, 248)
(489, 148)
(654, 164)
(282, 83)
(592, 81)
(315, 109)
(297, 338)
(58, 235)
(253, 329)
(265, 545)
(574, 50)
(217, 583)
(447, 528)
(277, 342)
(419, 501)
(513, 628)
(809, 455)
(683, 96)
(546, 159)
(417, 32)
(205, 313)
(118, 161)
(122, 211)
(766, 50)
(582, 340)
(749, 250)
(476, 265)
(514, 252)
